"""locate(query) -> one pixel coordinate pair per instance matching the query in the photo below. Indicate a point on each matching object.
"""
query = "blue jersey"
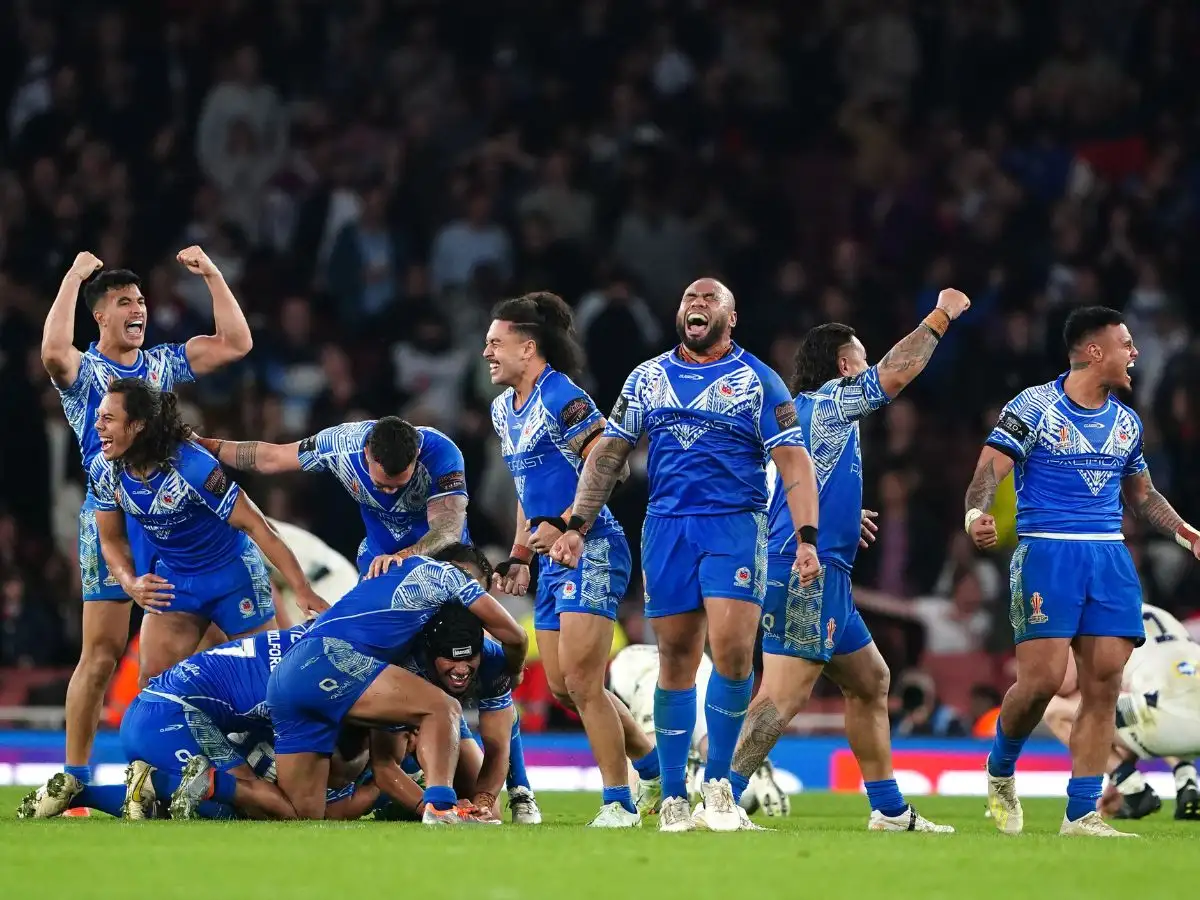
(536, 441)
(398, 520)
(382, 616)
(1066, 458)
(829, 419)
(492, 689)
(710, 427)
(184, 508)
(162, 367)
(228, 683)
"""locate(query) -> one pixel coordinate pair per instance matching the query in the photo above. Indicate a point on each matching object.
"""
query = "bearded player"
(1076, 451)
(115, 300)
(713, 414)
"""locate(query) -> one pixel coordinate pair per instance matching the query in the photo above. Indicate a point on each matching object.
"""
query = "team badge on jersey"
(246, 607)
(1036, 616)
(830, 629)
(569, 590)
(741, 577)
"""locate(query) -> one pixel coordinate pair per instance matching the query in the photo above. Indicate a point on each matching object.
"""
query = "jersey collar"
(94, 348)
(674, 356)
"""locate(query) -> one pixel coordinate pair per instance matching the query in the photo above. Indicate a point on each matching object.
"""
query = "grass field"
(820, 851)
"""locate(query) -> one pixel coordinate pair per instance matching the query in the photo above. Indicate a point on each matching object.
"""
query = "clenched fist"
(86, 264)
(953, 303)
(197, 261)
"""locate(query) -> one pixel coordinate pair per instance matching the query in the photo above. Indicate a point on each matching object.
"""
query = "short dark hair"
(817, 356)
(1084, 322)
(467, 554)
(393, 444)
(546, 319)
(95, 290)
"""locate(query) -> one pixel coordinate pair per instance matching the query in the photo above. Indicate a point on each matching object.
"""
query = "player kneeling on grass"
(1158, 717)
(339, 672)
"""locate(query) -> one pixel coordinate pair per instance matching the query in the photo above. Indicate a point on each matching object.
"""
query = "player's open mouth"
(135, 328)
(105, 443)
(696, 324)
(459, 680)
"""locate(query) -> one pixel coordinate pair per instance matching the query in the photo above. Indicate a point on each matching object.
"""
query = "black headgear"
(453, 633)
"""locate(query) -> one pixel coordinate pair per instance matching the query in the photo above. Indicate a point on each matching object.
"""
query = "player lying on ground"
(114, 298)
(1158, 717)
(633, 677)
(340, 672)
(547, 427)
(713, 414)
(1075, 451)
(816, 628)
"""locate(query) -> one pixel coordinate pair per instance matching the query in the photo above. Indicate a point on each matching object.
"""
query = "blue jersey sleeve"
(456, 586)
(103, 478)
(444, 462)
(854, 397)
(777, 422)
(495, 683)
(628, 418)
(572, 408)
(318, 451)
(205, 476)
(169, 362)
(1016, 431)
(1135, 464)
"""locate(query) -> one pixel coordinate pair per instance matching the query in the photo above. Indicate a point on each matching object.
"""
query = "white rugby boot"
(717, 812)
(909, 820)
(1091, 825)
(51, 799)
(523, 806)
(140, 796)
(1003, 803)
(614, 815)
(675, 814)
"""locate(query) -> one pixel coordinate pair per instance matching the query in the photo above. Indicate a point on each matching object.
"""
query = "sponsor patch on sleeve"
(1010, 423)
(217, 483)
(308, 445)
(452, 481)
(619, 408)
(575, 412)
(785, 415)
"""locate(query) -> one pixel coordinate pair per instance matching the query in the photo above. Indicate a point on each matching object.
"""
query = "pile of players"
(755, 518)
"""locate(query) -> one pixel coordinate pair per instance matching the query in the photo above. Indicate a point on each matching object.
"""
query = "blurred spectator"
(466, 243)
(921, 713)
(958, 623)
(367, 262)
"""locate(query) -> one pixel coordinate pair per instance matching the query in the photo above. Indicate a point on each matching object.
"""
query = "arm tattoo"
(446, 517)
(787, 488)
(762, 729)
(982, 489)
(1152, 506)
(603, 469)
(905, 361)
(580, 442)
(245, 454)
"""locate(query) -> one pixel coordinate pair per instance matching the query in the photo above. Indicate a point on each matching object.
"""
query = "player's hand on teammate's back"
(544, 538)
(983, 532)
(311, 603)
(807, 565)
(86, 264)
(197, 261)
(212, 445)
(151, 592)
(869, 528)
(568, 549)
(953, 303)
(381, 564)
(514, 582)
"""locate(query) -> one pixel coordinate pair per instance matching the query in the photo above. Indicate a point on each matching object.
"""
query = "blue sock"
(165, 783)
(213, 809)
(885, 796)
(440, 798)
(674, 722)
(648, 767)
(83, 773)
(1082, 793)
(739, 783)
(107, 798)
(618, 795)
(517, 776)
(725, 711)
(1002, 761)
(224, 786)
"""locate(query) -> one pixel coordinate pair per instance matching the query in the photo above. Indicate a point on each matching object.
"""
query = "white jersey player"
(633, 675)
(1158, 717)
(330, 574)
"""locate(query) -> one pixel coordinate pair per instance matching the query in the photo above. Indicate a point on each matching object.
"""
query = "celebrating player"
(340, 672)
(816, 628)
(116, 303)
(1158, 717)
(713, 413)
(1076, 449)
(408, 481)
(547, 427)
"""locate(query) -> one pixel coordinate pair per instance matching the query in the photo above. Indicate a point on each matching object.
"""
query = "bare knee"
(98, 662)
(584, 687)
(734, 658)
(871, 687)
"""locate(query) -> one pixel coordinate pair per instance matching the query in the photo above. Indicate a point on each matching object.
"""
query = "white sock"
(1184, 773)
(1134, 784)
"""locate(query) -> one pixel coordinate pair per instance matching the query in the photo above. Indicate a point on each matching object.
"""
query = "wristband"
(556, 521)
(807, 534)
(578, 523)
(502, 568)
(522, 553)
(973, 514)
(938, 322)
(1186, 537)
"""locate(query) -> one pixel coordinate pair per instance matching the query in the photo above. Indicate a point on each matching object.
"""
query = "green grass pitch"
(821, 851)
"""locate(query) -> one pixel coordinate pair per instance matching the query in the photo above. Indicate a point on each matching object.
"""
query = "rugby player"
(115, 300)
(1158, 717)
(340, 672)
(713, 414)
(1075, 450)
(409, 482)
(547, 426)
(817, 628)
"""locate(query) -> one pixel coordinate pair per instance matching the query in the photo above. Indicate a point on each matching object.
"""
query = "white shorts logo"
(741, 577)
(569, 590)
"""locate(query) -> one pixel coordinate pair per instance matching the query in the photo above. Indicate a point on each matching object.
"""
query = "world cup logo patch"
(1036, 616)
(830, 629)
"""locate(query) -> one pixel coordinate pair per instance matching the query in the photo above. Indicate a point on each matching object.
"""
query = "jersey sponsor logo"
(785, 415)
(741, 577)
(453, 481)
(619, 408)
(1036, 616)
(1011, 424)
(691, 376)
(216, 483)
(308, 445)
(575, 412)
(830, 629)
(518, 464)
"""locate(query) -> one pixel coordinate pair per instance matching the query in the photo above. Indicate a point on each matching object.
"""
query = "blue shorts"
(98, 583)
(685, 559)
(1062, 589)
(312, 691)
(167, 733)
(595, 586)
(236, 597)
(816, 622)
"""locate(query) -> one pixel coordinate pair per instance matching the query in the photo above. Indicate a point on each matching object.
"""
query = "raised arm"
(248, 518)
(232, 339)
(59, 355)
(905, 361)
(255, 456)
(992, 468)
(1144, 499)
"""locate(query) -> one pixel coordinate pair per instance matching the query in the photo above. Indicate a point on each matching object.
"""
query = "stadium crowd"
(372, 176)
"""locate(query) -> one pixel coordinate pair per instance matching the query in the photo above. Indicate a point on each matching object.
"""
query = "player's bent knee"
(584, 687)
(98, 663)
